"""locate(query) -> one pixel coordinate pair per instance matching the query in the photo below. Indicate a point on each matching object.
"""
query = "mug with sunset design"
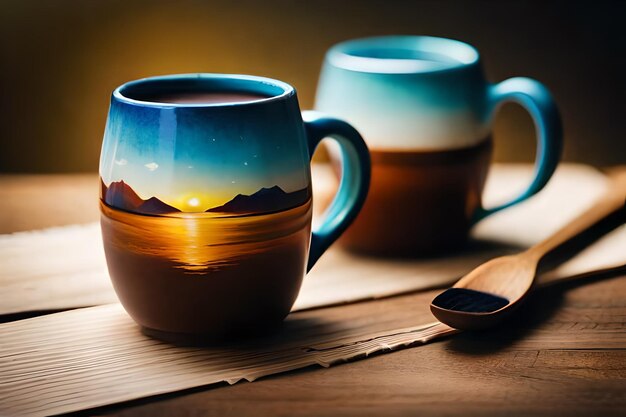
(206, 200)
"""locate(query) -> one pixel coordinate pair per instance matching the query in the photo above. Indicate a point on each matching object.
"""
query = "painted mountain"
(263, 201)
(103, 189)
(155, 206)
(121, 195)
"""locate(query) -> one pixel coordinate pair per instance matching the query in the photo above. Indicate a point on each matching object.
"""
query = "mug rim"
(236, 82)
(344, 54)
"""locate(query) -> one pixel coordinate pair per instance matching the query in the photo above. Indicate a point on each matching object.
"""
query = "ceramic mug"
(425, 110)
(206, 200)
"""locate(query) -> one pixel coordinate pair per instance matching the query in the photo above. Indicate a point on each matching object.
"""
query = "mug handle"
(355, 178)
(537, 100)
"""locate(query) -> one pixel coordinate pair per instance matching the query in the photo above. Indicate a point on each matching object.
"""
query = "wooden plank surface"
(88, 357)
(36, 201)
(563, 355)
(76, 360)
(70, 271)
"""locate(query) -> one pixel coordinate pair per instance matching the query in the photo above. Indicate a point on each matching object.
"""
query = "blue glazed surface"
(536, 98)
(405, 92)
(354, 183)
(197, 157)
(420, 93)
(229, 159)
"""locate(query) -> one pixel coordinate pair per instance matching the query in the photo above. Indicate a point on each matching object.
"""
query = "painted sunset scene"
(203, 200)
(167, 162)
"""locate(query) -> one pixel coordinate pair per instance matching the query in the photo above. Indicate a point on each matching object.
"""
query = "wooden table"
(564, 353)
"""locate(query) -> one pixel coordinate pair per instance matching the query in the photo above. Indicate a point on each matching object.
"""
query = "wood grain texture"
(508, 279)
(71, 271)
(563, 354)
(76, 360)
(36, 201)
(89, 357)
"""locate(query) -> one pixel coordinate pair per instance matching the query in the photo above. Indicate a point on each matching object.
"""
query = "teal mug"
(425, 109)
(206, 200)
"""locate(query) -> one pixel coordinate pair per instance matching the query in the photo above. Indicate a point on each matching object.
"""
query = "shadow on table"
(544, 302)
(539, 308)
(6, 318)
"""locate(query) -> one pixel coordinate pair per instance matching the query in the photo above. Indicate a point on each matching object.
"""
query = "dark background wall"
(60, 60)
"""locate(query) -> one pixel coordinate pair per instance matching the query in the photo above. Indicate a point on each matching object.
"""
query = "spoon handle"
(611, 201)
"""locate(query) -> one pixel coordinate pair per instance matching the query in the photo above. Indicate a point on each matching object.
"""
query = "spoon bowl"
(485, 296)
(491, 292)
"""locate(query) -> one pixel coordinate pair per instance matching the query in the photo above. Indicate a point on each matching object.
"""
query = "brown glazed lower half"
(420, 203)
(205, 276)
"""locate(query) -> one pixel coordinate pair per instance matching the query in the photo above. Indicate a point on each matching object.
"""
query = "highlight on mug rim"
(273, 90)
(402, 54)
(214, 159)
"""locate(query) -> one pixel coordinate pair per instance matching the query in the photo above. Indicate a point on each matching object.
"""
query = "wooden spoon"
(492, 291)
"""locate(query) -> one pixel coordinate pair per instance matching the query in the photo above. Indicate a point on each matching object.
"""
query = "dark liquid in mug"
(201, 97)
(420, 202)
